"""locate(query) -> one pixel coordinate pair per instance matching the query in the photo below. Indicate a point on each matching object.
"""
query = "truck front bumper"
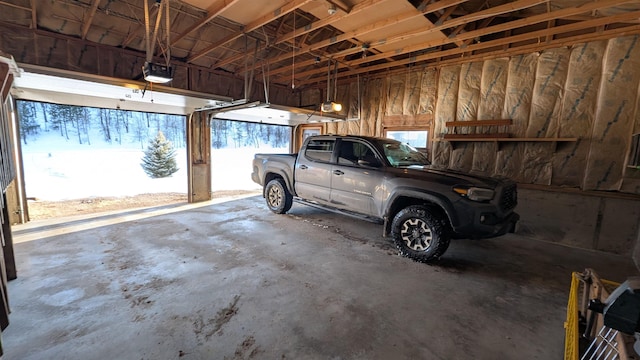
(486, 225)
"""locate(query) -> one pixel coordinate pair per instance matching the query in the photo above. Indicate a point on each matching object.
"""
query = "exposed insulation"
(578, 112)
(551, 75)
(83, 58)
(448, 85)
(411, 98)
(395, 95)
(631, 181)
(52, 52)
(615, 114)
(520, 81)
(311, 98)
(492, 94)
(467, 109)
(180, 77)
(493, 89)
(20, 44)
(353, 101)
(127, 66)
(428, 91)
(373, 107)
(469, 94)
(517, 107)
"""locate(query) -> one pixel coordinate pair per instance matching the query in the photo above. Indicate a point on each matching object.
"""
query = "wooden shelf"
(507, 139)
(502, 140)
(498, 122)
(463, 137)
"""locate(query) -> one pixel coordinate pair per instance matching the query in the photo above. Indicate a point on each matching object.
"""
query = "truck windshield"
(400, 154)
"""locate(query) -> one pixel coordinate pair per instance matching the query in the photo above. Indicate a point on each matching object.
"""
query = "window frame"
(330, 152)
(427, 147)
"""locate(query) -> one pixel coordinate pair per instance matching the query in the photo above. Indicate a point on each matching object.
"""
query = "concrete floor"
(234, 281)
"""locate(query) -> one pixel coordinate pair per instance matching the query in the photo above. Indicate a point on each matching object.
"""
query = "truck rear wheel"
(279, 199)
(419, 234)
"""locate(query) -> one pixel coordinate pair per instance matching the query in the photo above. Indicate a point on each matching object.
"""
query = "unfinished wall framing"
(588, 91)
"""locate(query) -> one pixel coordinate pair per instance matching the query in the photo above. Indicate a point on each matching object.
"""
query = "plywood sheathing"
(615, 114)
(578, 112)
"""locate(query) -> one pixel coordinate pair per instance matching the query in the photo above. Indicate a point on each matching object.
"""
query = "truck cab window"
(320, 150)
(356, 153)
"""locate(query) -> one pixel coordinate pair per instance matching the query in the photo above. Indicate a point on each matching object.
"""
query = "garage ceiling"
(294, 42)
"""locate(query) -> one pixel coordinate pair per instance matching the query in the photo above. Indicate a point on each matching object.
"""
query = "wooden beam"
(309, 28)
(328, 20)
(378, 26)
(472, 137)
(630, 30)
(276, 14)
(15, 6)
(516, 5)
(89, 20)
(407, 120)
(340, 5)
(479, 122)
(34, 16)
(489, 30)
(212, 13)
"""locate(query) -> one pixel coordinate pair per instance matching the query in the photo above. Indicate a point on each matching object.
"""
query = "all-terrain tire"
(419, 234)
(279, 199)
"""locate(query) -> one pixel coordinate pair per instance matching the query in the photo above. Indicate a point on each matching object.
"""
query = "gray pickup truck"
(388, 182)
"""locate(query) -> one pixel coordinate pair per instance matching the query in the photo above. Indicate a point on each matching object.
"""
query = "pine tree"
(160, 158)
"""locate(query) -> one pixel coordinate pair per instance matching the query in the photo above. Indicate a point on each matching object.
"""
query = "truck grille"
(509, 198)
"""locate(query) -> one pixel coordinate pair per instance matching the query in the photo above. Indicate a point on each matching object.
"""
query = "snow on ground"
(57, 169)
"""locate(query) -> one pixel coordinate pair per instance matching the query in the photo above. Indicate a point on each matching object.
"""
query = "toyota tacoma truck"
(389, 182)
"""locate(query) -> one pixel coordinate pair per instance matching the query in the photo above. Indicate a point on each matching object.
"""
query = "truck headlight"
(475, 193)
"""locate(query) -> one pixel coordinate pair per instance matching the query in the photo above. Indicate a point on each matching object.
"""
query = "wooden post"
(199, 156)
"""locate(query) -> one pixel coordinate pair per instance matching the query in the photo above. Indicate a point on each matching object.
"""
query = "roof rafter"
(89, 20)
(448, 24)
(540, 34)
(481, 32)
(380, 25)
(303, 30)
(281, 11)
(34, 15)
(212, 13)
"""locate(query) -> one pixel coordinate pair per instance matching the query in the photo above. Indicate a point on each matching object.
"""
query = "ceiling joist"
(362, 36)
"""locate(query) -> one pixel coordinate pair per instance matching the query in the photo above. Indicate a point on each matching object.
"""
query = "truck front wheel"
(419, 234)
(279, 199)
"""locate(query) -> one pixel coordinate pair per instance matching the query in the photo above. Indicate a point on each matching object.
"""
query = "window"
(634, 155)
(351, 152)
(415, 138)
(320, 150)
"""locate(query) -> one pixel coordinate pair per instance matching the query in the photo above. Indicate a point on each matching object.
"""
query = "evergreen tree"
(160, 158)
(28, 122)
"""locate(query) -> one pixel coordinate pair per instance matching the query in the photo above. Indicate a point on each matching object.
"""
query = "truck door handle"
(338, 172)
(303, 167)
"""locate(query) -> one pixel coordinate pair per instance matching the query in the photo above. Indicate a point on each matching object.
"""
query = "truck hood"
(450, 177)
